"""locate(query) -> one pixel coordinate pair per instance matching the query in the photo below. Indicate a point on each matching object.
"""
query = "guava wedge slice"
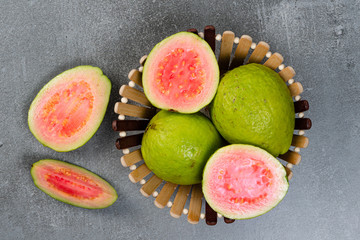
(181, 73)
(72, 184)
(69, 109)
(243, 181)
(177, 146)
(253, 106)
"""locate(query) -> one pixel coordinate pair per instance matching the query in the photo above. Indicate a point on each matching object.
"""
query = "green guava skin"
(177, 146)
(253, 106)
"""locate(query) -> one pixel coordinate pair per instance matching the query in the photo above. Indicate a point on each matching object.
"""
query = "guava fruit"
(253, 106)
(181, 73)
(177, 146)
(243, 181)
(72, 184)
(69, 109)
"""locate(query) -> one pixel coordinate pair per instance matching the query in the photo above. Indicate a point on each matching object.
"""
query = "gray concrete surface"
(40, 39)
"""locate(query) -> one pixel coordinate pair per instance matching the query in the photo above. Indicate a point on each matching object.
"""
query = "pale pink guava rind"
(243, 181)
(181, 74)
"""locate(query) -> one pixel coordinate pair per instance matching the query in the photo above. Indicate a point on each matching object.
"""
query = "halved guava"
(177, 146)
(243, 181)
(72, 184)
(253, 106)
(69, 109)
(181, 73)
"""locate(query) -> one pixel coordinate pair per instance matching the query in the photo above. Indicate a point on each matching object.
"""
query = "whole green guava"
(177, 146)
(253, 106)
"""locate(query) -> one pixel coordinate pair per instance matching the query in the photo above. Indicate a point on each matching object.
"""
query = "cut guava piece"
(72, 184)
(69, 109)
(177, 146)
(243, 181)
(181, 73)
(253, 106)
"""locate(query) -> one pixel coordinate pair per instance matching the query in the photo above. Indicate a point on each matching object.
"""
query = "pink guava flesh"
(72, 184)
(69, 109)
(242, 181)
(181, 74)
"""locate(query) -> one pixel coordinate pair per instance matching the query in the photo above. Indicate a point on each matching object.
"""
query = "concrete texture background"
(40, 39)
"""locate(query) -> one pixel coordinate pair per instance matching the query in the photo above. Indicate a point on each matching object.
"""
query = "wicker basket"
(135, 115)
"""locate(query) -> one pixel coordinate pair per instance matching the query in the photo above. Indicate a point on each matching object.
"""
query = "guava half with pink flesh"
(243, 181)
(181, 73)
(72, 184)
(69, 109)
